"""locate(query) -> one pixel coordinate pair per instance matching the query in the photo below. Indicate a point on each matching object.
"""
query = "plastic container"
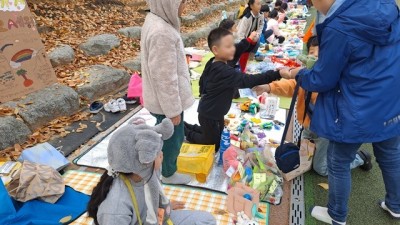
(196, 159)
(224, 144)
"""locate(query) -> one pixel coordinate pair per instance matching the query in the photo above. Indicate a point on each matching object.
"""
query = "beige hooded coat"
(166, 79)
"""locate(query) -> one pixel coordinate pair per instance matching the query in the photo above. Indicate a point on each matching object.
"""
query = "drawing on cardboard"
(12, 5)
(27, 82)
(22, 56)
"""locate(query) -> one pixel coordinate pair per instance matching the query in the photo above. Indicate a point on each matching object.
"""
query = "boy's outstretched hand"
(285, 73)
(175, 205)
(254, 36)
(289, 73)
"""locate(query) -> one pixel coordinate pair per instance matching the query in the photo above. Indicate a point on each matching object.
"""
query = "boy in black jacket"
(241, 47)
(217, 85)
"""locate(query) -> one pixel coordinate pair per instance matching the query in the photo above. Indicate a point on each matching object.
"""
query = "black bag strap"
(290, 114)
(291, 110)
(307, 103)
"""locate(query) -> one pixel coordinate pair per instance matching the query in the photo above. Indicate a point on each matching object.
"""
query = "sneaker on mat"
(96, 107)
(392, 214)
(111, 106)
(129, 101)
(321, 214)
(121, 104)
(177, 178)
(366, 157)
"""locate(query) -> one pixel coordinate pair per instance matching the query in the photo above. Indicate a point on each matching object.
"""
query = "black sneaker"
(366, 157)
(95, 107)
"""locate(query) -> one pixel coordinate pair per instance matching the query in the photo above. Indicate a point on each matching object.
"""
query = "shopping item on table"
(196, 159)
(36, 181)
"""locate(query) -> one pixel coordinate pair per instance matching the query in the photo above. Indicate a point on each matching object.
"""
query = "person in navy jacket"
(357, 76)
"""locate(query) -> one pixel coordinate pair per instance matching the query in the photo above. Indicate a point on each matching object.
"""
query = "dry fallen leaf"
(324, 186)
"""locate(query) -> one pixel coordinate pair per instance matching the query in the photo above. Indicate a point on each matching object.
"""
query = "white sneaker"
(121, 104)
(321, 214)
(393, 214)
(111, 106)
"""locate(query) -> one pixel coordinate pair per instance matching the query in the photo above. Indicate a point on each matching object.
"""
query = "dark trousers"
(171, 147)
(267, 34)
(208, 133)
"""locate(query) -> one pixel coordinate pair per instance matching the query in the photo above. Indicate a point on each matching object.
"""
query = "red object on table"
(286, 62)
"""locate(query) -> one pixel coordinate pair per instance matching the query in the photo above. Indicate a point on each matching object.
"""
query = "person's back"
(364, 97)
(164, 61)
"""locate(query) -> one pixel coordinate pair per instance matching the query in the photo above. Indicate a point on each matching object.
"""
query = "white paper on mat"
(97, 156)
(217, 180)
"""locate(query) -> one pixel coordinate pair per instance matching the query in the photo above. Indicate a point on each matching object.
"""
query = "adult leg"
(171, 149)
(387, 155)
(340, 156)
(187, 217)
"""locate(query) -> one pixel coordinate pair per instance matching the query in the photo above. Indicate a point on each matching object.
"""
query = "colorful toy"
(267, 125)
(230, 158)
(245, 106)
(254, 108)
(247, 139)
(232, 115)
(255, 120)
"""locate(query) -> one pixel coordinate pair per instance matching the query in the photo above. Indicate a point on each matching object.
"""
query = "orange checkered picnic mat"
(196, 199)
(213, 202)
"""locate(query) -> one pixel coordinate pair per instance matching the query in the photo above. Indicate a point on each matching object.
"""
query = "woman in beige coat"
(166, 81)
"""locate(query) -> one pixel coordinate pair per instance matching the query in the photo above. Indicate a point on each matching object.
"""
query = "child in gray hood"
(130, 192)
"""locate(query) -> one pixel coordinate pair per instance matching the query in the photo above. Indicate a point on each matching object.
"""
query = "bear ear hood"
(167, 10)
(134, 147)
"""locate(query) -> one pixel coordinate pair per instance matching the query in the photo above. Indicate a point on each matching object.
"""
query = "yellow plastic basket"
(196, 159)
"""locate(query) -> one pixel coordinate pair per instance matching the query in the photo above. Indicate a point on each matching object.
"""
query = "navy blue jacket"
(357, 74)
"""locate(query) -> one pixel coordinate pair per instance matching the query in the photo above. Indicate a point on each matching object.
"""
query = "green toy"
(267, 125)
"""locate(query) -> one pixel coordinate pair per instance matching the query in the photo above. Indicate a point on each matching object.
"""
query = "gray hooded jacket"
(133, 149)
(165, 73)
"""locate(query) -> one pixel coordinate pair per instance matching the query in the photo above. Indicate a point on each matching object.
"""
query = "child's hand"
(176, 120)
(175, 205)
(262, 88)
(285, 73)
(254, 36)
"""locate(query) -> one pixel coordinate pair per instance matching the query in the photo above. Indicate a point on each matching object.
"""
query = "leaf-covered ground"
(72, 22)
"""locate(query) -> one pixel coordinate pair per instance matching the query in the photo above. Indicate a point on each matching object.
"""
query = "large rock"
(62, 55)
(190, 39)
(131, 32)
(45, 105)
(12, 131)
(100, 44)
(103, 80)
(133, 64)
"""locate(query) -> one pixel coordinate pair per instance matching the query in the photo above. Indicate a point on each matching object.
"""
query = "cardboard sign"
(24, 66)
